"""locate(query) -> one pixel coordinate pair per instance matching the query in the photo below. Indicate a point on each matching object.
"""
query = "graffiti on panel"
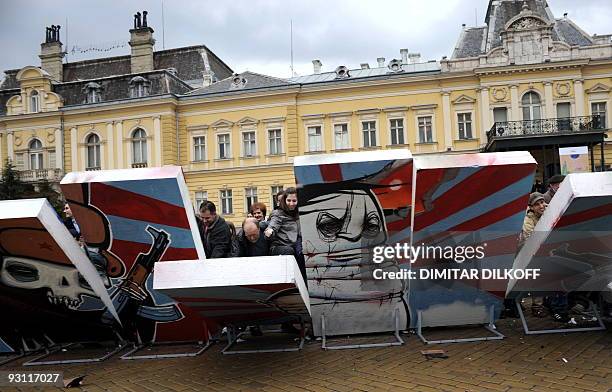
(474, 201)
(346, 209)
(128, 225)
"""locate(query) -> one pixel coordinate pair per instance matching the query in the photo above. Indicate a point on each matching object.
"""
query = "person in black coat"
(214, 231)
(71, 223)
(251, 240)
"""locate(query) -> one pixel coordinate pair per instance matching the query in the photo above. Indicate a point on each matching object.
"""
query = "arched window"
(532, 110)
(92, 92)
(34, 102)
(93, 151)
(139, 147)
(139, 87)
(36, 154)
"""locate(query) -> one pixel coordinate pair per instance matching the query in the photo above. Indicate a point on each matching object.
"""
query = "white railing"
(50, 175)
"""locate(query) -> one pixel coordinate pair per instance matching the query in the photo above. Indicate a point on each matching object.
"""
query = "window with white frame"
(51, 157)
(200, 197)
(139, 87)
(36, 154)
(369, 133)
(274, 189)
(341, 136)
(199, 148)
(315, 138)
(500, 114)
(34, 102)
(249, 148)
(464, 124)
(275, 142)
(599, 109)
(19, 162)
(139, 146)
(250, 197)
(425, 129)
(532, 109)
(223, 146)
(92, 144)
(226, 202)
(92, 92)
(396, 126)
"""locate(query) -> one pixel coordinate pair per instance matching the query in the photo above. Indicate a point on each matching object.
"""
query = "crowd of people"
(259, 234)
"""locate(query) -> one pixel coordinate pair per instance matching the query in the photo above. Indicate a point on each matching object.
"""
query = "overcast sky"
(255, 35)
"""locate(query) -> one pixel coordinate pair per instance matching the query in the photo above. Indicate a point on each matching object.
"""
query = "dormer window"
(92, 92)
(395, 66)
(139, 87)
(34, 102)
(342, 72)
(238, 82)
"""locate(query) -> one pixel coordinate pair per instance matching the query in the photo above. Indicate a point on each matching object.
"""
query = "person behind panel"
(214, 231)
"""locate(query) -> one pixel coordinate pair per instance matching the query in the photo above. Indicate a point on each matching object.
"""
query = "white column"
(73, 149)
(579, 93)
(10, 146)
(119, 133)
(485, 116)
(448, 125)
(157, 141)
(59, 149)
(548, 97)
(514, 108)
(110, 149)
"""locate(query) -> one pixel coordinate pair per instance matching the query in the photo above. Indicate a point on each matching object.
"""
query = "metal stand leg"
(37, 360)
(398, 340)
(232, 338)
(528, 331)
(490, 326)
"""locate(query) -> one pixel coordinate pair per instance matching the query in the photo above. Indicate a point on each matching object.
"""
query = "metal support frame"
(37, 360)
(27, 349)
(398, 339)
(137, 347)
(489, 327)
(232, 339)
(528, 331)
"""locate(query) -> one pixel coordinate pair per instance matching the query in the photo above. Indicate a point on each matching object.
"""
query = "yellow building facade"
(236, 136)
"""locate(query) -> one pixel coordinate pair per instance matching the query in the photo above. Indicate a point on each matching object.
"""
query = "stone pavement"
(558, 362)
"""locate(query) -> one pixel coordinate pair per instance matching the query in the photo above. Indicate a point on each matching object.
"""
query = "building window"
(563, 116)
(226, 202)
(93, 151)
(464, 122)
(396, 126)
(273, 192)
(341, 136)
(139, 147)
(315, 139)
(92, 92)
(250, 196)
(275, 141)
(531, 106)
(200, 197)
(223, 142)
(34, 102)
(425, 129)
(248, 144)
(51, 158)
(500, 114)
(599, 109)
(36, 155)
(139, 87)
(199, 148)
(369, 133)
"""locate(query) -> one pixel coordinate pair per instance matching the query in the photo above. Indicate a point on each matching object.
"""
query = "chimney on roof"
(404, 53)
(365, 66)
(316, 64)
(414, 58)
(51, 54)
(380, 61)
(141, 41)
(565, 15)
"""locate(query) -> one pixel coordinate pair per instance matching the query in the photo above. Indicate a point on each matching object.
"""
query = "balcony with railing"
(564, 128)
(35, 175)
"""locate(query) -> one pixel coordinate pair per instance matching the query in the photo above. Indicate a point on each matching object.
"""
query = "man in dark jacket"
(215, 233)
(71, 223)
(252, 241)
(553, 186)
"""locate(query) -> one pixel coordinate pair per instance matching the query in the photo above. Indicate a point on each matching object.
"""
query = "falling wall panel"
(134, 218)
